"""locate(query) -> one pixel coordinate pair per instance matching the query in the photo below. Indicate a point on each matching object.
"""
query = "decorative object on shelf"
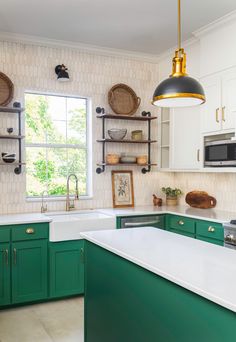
(122, 189)
(15, 110)
(179, 90)
(123, 99)
(137, 135)
(62, 73)
(6, 89)
(145, 117)
(200, 199)
(117, 133)
(9, 130)
(157, 202)
(112, 158)
(171, 195)
(8, 157)
(142, 160)
(128, 159)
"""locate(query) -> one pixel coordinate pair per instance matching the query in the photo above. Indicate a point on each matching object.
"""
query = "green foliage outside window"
(55, 143)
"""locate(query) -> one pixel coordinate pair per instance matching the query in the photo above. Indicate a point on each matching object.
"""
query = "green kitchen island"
(149, 285)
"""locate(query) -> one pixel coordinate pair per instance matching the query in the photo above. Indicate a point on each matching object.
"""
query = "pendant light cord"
(179, 25)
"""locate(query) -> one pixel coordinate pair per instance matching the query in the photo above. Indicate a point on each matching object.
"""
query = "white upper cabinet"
(229, 99)
(185, 139)
(218, 114)
(211, 109)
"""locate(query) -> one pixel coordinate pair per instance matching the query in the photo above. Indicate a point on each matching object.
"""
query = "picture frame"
(122, 189)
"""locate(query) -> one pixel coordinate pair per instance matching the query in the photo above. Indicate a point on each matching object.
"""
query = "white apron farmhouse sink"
(68, 225)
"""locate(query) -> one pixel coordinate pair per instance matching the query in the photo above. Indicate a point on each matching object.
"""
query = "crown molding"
(216, 24)
(87, 48)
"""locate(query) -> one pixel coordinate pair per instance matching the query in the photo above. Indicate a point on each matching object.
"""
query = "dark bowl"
(9, 160)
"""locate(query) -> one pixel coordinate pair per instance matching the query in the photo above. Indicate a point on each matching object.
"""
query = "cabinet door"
(29, 271)
(66, 268)
(5, 284)
(229, 100)
(211, 110)
(185, 138)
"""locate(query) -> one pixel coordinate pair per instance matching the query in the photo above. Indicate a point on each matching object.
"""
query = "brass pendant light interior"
(179, 90)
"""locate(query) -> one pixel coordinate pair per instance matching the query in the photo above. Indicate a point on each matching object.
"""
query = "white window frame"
(88, 147)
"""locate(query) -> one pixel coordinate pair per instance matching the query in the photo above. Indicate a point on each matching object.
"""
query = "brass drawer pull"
(181, 223)
(217, 114)
(211, 229)
(223, 113)
(29, 231)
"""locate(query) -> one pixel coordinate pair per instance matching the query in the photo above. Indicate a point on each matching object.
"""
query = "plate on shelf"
(6, 89)
(123, 99)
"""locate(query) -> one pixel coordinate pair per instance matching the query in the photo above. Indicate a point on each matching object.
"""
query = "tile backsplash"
(31, 68)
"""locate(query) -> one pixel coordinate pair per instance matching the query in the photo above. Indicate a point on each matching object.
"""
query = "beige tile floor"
(60, 321)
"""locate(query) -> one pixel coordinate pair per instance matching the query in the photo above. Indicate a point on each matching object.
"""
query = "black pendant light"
(179, 90)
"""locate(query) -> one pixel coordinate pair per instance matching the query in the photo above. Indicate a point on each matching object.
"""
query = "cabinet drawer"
(30, 231)
(214, 241)
(4, 234)
(182, 233)
(181, 223)
(210, 230)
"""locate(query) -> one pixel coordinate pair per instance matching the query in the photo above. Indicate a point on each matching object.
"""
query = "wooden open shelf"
(127, 141)
(10, 136)
(11, 110)
(126, 117)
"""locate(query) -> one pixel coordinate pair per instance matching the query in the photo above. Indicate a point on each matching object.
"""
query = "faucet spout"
(69, 205)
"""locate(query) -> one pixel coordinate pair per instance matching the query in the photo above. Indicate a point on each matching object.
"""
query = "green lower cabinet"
(66, 268)
(29, 271)
(5, 274)
(207, 239)
(182, 233)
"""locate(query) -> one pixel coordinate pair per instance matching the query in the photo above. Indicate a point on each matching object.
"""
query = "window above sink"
(57, 144)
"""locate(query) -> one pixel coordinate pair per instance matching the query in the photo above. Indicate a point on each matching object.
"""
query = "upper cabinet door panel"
(229, 99)
(185, 142)
(211, 110)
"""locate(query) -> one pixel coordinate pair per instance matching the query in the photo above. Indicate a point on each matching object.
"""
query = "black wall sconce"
(62, 73)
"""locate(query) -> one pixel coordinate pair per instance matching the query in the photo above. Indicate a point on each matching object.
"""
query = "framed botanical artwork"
(122, 189)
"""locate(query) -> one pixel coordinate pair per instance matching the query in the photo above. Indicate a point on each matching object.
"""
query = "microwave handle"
(198, 155)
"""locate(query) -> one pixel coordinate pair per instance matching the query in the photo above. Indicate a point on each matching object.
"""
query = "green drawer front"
(4, 234)
(182, 233)
(33, 231)
(214, 241)
(210, 230)
(181, 223)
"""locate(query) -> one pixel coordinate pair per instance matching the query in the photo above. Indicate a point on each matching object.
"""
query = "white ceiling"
(146, 26)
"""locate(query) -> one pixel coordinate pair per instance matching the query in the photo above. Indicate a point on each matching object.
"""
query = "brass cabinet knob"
(181, 223)
(211, 229)
(29, 231)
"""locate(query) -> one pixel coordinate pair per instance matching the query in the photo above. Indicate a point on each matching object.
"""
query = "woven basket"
(123, 99)
(6, 89)
(112, 158)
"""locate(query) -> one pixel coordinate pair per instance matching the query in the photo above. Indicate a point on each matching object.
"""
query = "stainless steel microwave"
(220, 153)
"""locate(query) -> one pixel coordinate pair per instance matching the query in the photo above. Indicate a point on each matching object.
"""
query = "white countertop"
(203, 268)
(23, 218)
(214, 215)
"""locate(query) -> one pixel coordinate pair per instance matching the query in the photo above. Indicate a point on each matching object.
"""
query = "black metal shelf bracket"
(100, 170)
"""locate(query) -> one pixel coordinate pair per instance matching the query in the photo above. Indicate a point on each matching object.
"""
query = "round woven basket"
(6, 89)
(123, 99)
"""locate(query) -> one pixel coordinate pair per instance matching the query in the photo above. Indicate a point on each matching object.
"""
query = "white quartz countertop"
(23, 218)
(203, 268)
(214, 215)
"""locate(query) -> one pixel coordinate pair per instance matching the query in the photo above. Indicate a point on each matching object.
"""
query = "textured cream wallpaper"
(31, 68)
